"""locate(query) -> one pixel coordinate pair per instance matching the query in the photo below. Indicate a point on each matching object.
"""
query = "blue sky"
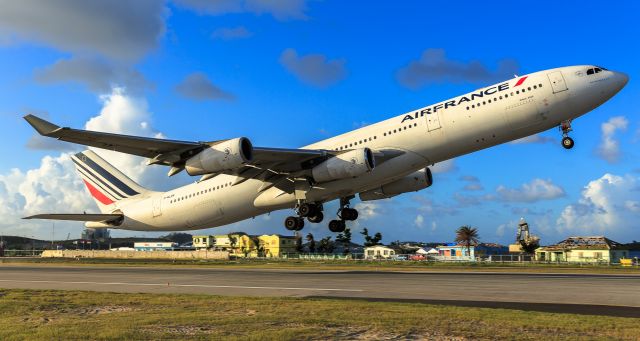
(292, 72)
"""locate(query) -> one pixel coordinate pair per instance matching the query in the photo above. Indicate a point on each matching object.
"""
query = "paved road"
(616, 295)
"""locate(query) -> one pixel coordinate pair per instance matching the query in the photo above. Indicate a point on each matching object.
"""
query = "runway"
(614, 295)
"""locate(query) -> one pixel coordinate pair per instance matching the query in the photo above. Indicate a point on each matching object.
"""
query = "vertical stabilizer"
(105, 183)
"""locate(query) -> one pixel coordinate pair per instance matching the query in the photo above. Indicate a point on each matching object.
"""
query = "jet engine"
(346, 165)
(223, 156)
(410, 183)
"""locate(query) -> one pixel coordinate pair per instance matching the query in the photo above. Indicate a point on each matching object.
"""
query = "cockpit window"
(595, 70)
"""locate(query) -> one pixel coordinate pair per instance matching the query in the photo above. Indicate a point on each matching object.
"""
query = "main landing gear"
(565, 127)
(344, 213)
(311, 211)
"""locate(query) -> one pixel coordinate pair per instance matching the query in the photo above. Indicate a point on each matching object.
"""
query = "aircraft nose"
(621, 79)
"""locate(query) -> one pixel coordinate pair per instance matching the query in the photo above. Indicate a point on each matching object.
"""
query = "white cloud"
(313, 69)
(279, 9)
(609, 148)
(473, 183)
(52, 187)
(97, 74)
(124, 30)
(55, 187)
(444, 166)
(198, 86)
(367, 210)
(419, 221)
(536, 190)
(434, 66)
(607, 205)
(535, 138)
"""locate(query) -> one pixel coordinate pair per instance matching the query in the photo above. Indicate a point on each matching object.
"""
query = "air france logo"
(460, 100)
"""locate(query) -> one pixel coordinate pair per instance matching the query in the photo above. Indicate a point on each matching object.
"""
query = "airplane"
(240, 181)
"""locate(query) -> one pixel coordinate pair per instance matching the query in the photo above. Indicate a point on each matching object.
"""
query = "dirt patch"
(359, 334)
(108, 309)
(182, 330)
(38, 320)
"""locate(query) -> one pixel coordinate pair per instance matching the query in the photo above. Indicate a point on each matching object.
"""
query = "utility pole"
(53, 232)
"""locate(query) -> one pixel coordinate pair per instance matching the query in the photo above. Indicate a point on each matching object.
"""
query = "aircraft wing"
(79, 217)
(266, 164)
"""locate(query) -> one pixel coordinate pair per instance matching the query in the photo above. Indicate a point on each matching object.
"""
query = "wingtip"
(41, 126)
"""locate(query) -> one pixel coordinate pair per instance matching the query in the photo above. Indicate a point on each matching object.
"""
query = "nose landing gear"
(565, 127)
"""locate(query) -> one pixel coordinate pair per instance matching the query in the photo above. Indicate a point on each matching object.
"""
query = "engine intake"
(410, 183)
(223, 156)
(346, 165)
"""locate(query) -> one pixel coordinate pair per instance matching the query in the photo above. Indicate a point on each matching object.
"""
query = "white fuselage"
(503, 112)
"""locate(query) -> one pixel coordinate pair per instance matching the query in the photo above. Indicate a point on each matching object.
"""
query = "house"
(379, 252)
(453, 251)
(276, 245)
(238, 244)
(590, 249)
(154, 246)
(204, 242)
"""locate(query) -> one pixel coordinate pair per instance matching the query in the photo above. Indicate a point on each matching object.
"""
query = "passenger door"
(433, 121)
(557, 81)
(157, 205)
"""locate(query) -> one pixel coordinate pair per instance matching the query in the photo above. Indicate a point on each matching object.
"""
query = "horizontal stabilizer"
(109, 217)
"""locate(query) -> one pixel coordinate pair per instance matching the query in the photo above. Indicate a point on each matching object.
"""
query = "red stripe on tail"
(97, 194)
(520, 81)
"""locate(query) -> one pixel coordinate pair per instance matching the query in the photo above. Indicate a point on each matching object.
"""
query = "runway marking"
(182, 285)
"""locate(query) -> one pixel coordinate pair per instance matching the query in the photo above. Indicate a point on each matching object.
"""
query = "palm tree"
(467, 236)
(312, 243)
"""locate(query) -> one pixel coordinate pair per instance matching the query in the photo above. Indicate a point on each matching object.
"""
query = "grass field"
(79, 315)
(353, 265)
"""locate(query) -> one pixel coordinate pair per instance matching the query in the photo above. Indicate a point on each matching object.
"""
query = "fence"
(510, 258)
(21, 253)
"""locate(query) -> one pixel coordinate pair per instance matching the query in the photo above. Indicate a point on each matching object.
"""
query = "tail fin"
(105, 183)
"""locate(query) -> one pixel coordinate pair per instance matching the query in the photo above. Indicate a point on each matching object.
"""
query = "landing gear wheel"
(567, 142)
(337, 226)
(299, 224)
(291, 223)
(307, 210)
(349, 214)
(317, 218)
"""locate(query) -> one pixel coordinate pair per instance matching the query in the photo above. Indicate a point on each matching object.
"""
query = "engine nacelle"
(346, 165)
(410, 183)
(223, 156)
